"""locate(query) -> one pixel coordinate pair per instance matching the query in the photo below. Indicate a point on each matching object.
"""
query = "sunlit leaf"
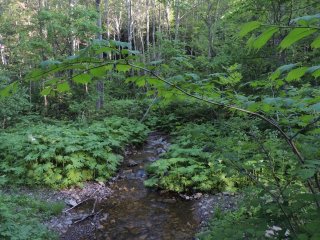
(296, 74)
(123, 67)
(316, 43)
(295, 35)
(46, 91)
(264, 37)
(316, 73)
(98, 72)
(82, 78)
(249, 27)
(63, 87)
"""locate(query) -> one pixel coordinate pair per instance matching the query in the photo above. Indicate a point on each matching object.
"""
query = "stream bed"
(136, 212)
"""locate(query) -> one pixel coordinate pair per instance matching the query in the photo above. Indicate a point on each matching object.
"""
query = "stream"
(136, 212)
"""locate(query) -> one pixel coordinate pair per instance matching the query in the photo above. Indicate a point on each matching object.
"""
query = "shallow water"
(135, 212)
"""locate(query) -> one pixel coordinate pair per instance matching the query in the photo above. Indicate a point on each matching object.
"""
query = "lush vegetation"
(20, 217)
(64, 155)
(236, 84)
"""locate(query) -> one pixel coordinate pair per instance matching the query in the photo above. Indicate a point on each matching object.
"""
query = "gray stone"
(132, 163)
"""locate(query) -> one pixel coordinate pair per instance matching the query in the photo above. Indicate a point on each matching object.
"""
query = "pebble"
(132, 163)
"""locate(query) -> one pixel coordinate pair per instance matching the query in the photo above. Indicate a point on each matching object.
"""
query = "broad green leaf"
(109, 67)
(296, 35)
(8, 90)
(154, 81)
(264, 37)
(306, 173)
(52, 81)
(313, 69)
(140, 81)
(99, 71)
(104, 50)
(296, 74)
(82, 78)
(316, 43)
(249, 27)
(132, 79)
(276, 74)
(128, 51)
(35, 75)
(46, 91)
(305, 19)
(316, 73)
(63, 87)
(123, 67)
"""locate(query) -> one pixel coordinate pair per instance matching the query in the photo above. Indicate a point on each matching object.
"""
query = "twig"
(89, 215)
(305, 128)
(146, 113)
(94, 205)
(90, 197)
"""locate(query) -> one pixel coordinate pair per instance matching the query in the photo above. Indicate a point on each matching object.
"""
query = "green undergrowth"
(211, 156)
(21, 217)
(192, 162)
(259, 217)
(69, 154)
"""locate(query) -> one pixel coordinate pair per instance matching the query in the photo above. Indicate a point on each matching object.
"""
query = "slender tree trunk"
(147, 25)
(100, 84)
(2, 53)
(130, 22)
(153, 28)
(106, 17)
(167, 12)
(160, 33)
(176, 20)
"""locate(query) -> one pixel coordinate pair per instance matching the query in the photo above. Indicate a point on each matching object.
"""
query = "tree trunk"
(106, 16)
(100, 84)
(130, 22)
(147, 25)
(153, 28)
(176, 20)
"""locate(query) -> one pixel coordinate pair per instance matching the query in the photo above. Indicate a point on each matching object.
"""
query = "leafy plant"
(21, 217)
(60, 156)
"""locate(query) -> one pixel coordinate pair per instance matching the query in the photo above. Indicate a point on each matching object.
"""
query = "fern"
(46, 154)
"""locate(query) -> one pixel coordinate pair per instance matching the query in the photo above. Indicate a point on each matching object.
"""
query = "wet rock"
(71, 202)
(68, 222)
(100, 227)
(162, 192)
(141, 173)
(132, 163)
(160, 150)
(169, 200)
(143, 237)
(197, 195)
(104, 217)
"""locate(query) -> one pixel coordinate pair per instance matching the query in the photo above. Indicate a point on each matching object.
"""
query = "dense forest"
(224, 95)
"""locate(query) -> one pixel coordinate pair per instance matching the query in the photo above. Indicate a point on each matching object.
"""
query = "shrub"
(59, 156)
(21, 216)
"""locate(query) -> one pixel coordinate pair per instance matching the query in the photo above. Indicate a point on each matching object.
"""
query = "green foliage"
(259, 217)
(192, 163)
(306, 26)
(21, 216)
(13, 102)
(63, 155)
